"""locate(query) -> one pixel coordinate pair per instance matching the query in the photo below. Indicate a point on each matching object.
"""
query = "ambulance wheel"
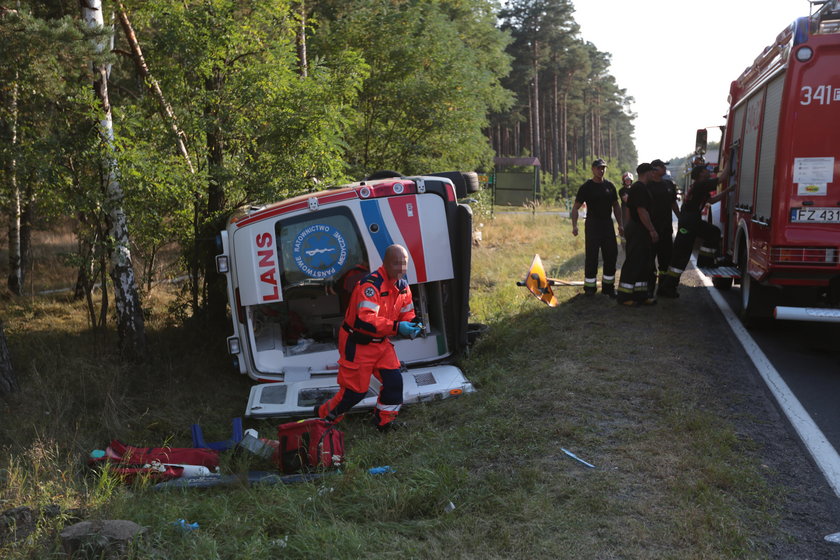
(756, 301)
(722, 284)
(471, 179)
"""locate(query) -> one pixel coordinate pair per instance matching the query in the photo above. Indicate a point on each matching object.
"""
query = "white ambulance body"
(290, 267)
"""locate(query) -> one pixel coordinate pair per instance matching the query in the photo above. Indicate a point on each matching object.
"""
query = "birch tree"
(130, 324)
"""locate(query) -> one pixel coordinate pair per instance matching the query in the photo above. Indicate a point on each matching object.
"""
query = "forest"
(143, 124)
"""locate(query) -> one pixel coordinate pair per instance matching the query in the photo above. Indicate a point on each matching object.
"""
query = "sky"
(658, 46)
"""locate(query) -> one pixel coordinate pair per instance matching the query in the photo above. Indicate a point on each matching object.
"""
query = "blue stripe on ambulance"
(373, 215)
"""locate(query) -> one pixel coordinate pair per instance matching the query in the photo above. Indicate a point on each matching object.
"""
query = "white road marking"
(821, 450)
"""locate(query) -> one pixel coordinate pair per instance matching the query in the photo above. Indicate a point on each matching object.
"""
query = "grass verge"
(618, 387)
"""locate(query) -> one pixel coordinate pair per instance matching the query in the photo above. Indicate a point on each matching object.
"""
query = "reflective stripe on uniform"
(369, 305)
(625, 288)
(590, 282)
(707, 250)
(640, 287)
(674, 271)
(407, 308)
(608, 280)
(388, 407)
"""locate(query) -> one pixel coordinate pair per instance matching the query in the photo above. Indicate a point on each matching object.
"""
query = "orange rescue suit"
(377, 306)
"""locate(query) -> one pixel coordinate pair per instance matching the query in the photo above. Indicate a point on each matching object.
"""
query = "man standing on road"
(601, 201)
(663, 195)
(381, 307)
(641, 235)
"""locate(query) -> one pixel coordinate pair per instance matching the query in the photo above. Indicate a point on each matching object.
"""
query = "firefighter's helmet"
(627, 175)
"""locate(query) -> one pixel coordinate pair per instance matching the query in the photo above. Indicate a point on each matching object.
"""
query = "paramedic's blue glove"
(408, 330)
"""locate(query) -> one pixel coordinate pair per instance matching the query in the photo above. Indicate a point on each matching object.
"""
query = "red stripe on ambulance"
(407, 216)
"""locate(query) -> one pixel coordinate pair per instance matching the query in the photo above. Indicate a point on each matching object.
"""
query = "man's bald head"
(395, 261)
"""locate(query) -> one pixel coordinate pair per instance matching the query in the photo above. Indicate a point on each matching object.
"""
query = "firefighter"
(641, 235)
(663, 193)
(380, 307)
(691, 226)
(600, 198)
(623, 193)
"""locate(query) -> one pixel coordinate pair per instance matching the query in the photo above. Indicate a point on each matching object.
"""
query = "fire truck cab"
(781, 224)
(291, 266)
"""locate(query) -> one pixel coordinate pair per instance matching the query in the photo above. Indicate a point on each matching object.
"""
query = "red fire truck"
(781, 225)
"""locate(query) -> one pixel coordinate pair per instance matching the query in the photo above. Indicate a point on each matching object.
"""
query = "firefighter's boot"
(608, 286)
(706, 257)
(668, 286)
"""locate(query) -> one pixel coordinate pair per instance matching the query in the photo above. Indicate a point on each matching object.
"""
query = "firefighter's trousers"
(683, 245)
(600, 238)
(636, 270)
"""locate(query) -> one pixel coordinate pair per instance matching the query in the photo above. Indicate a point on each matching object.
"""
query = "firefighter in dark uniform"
(691, 226)
(663, 193)
(380, 307)
(601, 201)
(641, 235)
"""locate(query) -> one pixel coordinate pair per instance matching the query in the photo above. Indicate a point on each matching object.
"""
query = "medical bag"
(309, 444)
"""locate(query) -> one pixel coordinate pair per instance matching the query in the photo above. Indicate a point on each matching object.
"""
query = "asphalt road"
(807, 356)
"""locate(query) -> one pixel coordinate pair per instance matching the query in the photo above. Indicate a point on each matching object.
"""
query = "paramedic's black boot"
(386, 421)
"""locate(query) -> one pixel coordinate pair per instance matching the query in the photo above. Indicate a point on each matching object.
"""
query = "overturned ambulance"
(291, 266)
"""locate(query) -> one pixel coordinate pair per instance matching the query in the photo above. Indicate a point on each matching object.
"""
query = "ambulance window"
(319, 247)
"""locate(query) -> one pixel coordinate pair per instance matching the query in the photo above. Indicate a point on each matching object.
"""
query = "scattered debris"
(184, 526)
(381, 470)
(576, 458)
(449, 508)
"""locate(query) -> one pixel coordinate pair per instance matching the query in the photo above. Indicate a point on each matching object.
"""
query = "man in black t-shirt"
(663, 193)
(601, 201)
(640, 234)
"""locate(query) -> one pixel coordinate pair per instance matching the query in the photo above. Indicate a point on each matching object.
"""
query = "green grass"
(673, 478)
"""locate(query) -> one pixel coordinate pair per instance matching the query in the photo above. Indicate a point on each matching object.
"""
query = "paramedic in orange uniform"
(380, 307)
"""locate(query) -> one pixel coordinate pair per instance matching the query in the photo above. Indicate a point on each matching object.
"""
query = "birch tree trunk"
(15, 280)
(130, 325)
(165, 108)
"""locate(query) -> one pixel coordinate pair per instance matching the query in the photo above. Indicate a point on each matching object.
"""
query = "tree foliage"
(569, 109)
(277, 97)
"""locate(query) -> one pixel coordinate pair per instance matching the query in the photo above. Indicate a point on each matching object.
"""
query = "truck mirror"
(700, 142)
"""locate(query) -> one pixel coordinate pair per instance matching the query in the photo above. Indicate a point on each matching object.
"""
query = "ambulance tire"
(722, 284)
(756, 300)
(471, 179)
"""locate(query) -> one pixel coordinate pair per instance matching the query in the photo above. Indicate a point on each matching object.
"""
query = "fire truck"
(781, 224)
(291, 266)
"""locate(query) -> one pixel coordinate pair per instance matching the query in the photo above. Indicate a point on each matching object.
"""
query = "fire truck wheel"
(756, 300)
(722, 284)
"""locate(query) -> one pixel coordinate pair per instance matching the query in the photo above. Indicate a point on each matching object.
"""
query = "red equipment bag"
(158, 463)
(308, 444)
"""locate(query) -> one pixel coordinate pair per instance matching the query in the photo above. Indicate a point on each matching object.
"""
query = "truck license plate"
(815, 215)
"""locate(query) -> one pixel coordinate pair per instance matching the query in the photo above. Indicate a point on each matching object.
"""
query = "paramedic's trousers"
(600, 237)
(355, 367)
(635, 273)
